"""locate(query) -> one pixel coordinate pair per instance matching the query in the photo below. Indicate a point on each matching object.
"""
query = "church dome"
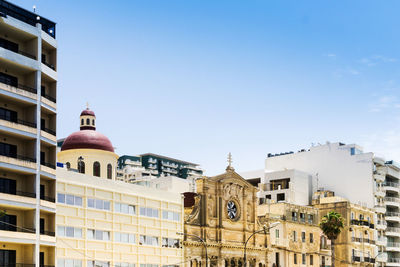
(87, 137)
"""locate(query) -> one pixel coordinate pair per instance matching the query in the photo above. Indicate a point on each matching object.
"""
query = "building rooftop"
(9, 9)
(168, 158)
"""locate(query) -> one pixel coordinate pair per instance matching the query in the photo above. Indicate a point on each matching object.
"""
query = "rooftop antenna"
(34, 9)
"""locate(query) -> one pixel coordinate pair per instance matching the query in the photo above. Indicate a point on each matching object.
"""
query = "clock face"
(232, 210)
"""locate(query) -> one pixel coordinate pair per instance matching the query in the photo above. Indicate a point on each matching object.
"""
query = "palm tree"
(332, 224)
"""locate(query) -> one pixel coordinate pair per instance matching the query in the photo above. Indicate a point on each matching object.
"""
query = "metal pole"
(245, 244)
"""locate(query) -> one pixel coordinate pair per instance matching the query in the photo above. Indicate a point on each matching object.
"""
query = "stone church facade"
(224, 214)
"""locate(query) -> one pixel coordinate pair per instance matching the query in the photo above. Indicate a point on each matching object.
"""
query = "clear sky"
(198, 79)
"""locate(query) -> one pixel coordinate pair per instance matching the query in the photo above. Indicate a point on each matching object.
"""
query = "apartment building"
(28, 92)
(343, 169)
(356, 244)
(149, 164)
(297, 240)
(108, 223)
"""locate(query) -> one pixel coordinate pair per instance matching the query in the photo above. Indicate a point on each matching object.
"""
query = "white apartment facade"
(362, 178)
(28, 89)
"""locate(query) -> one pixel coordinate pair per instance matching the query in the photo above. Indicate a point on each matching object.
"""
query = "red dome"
(87, 112)
(88, 139)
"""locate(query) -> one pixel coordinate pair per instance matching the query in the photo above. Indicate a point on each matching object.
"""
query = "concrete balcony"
(392, 216)
(280, 243)
(379, 177)
(25, 235)
(393, 231)
(21, 92)
(380, 208)
(49, 136)
(22, 163)
(393, 247)
(393, 262)
(392, 201)
(382, 241)
(49, 102)
(19, 127)
(19, 59)
(381, 225)
(391, 187)
(379, 193)
(382, 257)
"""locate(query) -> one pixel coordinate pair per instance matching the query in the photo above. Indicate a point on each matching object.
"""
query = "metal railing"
(26, 54)
(49, 233)
(356, 258)
(394, 260)
(391, 184)
(19, 157)
(47, 198)
(52, 99)
(393, 229)
(392, 214)
(50, 131)
(47, 164)
(51, 66)
(19, 86)
(392, 199)
(393, 244)
(18, 121)
(18, 265)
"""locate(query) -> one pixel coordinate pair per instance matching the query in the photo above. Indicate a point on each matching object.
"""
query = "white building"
(290, 186)
(360, 177)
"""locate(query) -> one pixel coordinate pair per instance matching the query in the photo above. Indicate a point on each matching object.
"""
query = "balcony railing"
(392, 214)
(20, 157)
(51, 66)
(393, 244)
(47, 164)
(26, 54)
(393, 229)
(392, 199)
(19, 86)
(394, 260)
(18, 121)
(47, 198)
(356, 258)
(362, 223)
(18, 265)
(391, 184)
(50, 131)
(52, 99)
(49, 233)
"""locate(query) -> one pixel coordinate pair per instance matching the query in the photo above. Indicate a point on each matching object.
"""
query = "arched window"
(93, 122)
(96, 169)
(109, 171)
(82, 121)
(68, 165)
(87, 121)
(81, 166)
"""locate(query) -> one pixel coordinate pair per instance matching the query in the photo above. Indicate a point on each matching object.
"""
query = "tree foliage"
(332, 224)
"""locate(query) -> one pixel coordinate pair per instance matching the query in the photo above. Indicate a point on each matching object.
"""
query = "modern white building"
(28, 89)
(290, 186)
(362, 178)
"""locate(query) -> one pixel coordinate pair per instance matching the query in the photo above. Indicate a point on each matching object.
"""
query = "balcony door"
(8, 223)
(42, 157)
(8, 150)
(9, 45)
(42, 226)
(41, 258)
(8, 186)
(8, 79)
(8, 115)
(8, 257)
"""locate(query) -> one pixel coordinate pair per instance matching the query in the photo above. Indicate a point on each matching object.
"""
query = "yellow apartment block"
(297, 240)
(102, 222)
(355, 245)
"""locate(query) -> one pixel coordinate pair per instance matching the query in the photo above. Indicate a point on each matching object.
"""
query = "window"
(98, 235)
(294, 216)
(8, 115)
(98, 204)
(302, 217)
(82, 121)
(148, 240)
(96, 169)
(109, 171)
(280, 197)
(67, 231)
(69, 263)
(311, 260)
(294, 236)
(69, 199)
(152, 265)
(68, 165)
(361, 217)
(124, 208)
(8, 150)
(352, 216)
(170, 215)
(81, 166)
(124, 238)
(149, 212)
(93, 122)
(87, 121)
(170, 243)
(276, 233)
(310, 218)
(8, 186)
(303, 259)
(303, 237)
(268, 196)
(295, 258)
(311, 238)
(124, 264)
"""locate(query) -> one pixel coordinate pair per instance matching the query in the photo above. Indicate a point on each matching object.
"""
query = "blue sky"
(198, 79)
